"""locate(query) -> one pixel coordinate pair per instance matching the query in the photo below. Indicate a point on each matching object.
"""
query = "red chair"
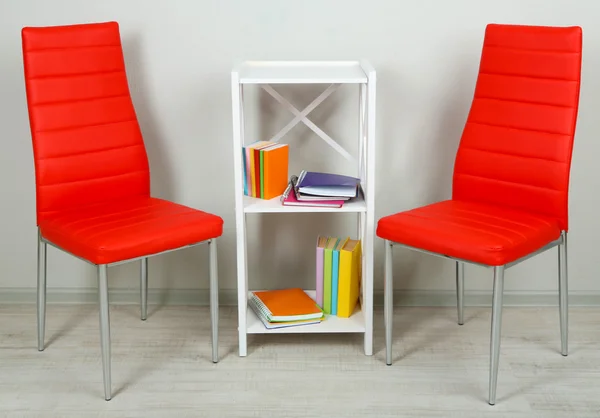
(92, 176)
(511, 174)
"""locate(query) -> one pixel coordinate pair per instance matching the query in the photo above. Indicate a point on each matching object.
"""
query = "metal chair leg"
(496, 331)
(563, 295)
(104, 328)
(388, 302)
(41, 292)
(460, 291)
(144, 287)
(214, 299)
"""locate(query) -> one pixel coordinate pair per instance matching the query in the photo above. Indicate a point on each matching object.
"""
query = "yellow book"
(349, 277)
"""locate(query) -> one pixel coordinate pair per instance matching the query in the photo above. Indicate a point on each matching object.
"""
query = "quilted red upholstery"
(89, 153)
(511, 175)
(472, 231)
(130, 228)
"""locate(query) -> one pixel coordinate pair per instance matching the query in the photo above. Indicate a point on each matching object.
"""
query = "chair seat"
(469, 231)
(128, 229)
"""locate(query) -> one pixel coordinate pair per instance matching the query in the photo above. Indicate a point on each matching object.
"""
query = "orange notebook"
(275, 170)
(287, 305)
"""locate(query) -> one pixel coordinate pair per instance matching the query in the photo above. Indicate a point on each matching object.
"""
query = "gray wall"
(179, 56)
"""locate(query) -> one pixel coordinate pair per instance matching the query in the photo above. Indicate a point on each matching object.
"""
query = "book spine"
(262, 174)
(245, 178)
(256, 157)
(334, 281)
(319, 275)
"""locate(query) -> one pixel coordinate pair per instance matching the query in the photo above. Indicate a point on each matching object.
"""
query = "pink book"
(291, 200)
(321, 243)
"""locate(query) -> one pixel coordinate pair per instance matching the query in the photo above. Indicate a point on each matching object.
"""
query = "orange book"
(286, 305)
(275, 170)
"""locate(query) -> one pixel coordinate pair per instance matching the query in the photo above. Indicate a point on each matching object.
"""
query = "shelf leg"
(367, 306)
(369, 224)
(237, 100)
(242, 289)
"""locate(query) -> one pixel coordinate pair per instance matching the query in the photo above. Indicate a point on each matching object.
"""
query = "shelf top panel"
(301, 72)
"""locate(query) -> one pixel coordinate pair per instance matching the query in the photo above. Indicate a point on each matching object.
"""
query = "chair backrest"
(87, 144)
(516, 147)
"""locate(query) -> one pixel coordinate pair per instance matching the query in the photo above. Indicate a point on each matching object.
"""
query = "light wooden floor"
(162, 367)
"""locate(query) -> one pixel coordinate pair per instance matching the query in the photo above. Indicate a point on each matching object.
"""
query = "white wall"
(179, 56)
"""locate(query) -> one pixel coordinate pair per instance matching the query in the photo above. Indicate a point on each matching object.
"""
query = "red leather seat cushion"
(470, 231)
(125, 229)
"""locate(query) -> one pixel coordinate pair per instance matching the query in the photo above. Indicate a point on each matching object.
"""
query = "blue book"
(327, 184)
(335, 270)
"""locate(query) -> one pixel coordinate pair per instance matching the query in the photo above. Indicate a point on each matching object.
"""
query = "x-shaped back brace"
(301, 116)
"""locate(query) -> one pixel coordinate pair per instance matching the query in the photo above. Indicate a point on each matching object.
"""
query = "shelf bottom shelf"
(331, 323)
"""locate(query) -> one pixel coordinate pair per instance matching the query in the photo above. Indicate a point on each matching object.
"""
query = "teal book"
(335, 274)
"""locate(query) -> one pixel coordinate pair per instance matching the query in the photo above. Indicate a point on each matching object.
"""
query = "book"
(321, 242)
(327, 272)
(327, 184)
(251, 176)
(274, 325)
(286, 305)
(289, 198)
(265, 166)
(245, 171)
(274, 170)
(257, 167)
(335, 265)
(293, 185)
(349, 277)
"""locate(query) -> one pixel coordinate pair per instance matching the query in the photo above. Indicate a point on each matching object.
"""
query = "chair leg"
(214, 299)
(563, 295)
(41, 292)
(496, 330)
(104, 328)
(144, 287)
(388, 302)
(460, 291)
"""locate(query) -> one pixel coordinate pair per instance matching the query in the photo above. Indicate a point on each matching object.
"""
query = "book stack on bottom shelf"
(285, 308)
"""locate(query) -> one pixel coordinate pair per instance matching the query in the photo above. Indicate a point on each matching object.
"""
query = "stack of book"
(265, 167)
(312, 188)
(338, 275)
(285, 308)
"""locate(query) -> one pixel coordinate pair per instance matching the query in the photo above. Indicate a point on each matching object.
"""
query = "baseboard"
(228, 297)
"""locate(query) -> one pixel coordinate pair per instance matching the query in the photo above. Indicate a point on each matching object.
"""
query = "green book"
(262, 176)
(327, 273)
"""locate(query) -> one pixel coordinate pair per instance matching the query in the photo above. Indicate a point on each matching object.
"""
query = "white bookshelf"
(333, 74)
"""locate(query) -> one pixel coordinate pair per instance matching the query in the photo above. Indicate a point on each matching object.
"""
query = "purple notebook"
(327, 184)
(315, 179)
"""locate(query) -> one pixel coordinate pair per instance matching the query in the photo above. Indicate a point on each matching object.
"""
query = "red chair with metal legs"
(511, 174)
(92, 175)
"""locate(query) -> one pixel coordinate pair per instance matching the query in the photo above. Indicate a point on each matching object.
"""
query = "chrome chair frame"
(104, 304)
(563, 301)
